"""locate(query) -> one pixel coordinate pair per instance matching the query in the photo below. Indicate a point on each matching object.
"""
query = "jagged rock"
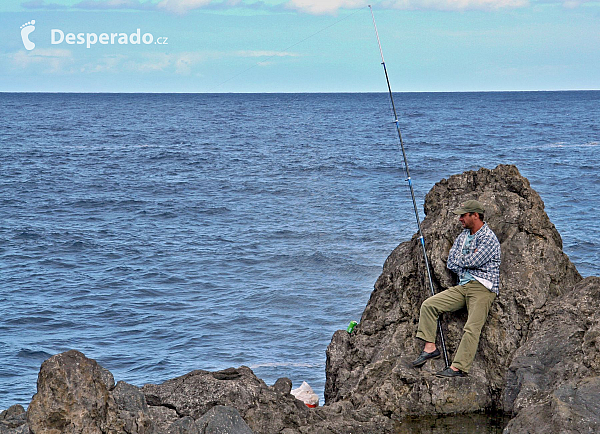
(185, 425)
(222, 419)
(469, 423)
(553, 382)
(283, 385)
(263, 409)
(342, 417)
(20, 429)
(73, 396)
(163, 418)
(133, 409)
(218, 420)
(13, 420)
(370, 368)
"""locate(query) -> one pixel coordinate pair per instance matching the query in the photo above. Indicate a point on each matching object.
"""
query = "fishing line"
(285, 49)
(412, 191)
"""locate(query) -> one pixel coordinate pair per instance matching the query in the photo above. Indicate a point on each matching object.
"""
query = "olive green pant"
(477, 298)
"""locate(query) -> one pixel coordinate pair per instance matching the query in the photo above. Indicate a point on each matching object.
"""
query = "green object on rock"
(351, 326)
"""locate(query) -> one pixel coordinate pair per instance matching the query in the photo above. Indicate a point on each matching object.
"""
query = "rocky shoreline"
(538, 358)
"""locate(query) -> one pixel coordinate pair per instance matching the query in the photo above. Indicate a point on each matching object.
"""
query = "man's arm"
(485, 252)
(453, 256)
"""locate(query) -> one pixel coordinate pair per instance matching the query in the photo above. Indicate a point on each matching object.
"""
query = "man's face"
(467, 220)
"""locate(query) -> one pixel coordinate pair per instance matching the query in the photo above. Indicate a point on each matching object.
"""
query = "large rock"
(73, 396)
(77, 395)
(371, 367)
(554, 378)
(194, 394)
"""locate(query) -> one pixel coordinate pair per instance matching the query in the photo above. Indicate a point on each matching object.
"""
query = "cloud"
(317, 7)
(153, 62)
(266, 55)
(454, 5)
(41, 4)
(181, 63)
(53, 59)
(147, 5)
(181, 7)
(569, 4)
(332, 6)
(62, 61)
(257, 53)
(185, 61)
(106, 64)
(115, 4)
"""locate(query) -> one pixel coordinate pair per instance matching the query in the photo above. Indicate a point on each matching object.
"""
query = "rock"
(470, 423)
(263, 409)
(341, 417)
(163, 418)
(283, 385)
(185, 425)
(73, 396)
(370, 368)
(13, 420)
(133, 409)
(222, 419)
(13, 412)
(553, 382)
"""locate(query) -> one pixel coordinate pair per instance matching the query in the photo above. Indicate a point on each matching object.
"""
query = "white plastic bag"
(305, 394)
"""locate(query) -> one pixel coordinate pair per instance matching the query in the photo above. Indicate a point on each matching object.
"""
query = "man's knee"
(473, 326)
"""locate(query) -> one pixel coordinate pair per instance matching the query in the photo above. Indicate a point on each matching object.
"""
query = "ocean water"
(161, 233)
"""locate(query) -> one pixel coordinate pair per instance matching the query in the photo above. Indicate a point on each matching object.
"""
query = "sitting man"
(475, 258)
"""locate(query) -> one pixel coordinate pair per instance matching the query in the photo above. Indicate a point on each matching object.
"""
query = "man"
(475, 258)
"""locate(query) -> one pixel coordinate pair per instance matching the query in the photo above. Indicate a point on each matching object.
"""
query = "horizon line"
(303, 92)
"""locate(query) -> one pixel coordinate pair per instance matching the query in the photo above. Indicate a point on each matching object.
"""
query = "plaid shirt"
(483, 261)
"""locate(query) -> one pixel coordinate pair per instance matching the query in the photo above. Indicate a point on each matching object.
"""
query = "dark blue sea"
(162, 233)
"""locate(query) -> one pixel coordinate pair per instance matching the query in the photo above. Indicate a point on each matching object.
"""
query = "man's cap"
(469, 206)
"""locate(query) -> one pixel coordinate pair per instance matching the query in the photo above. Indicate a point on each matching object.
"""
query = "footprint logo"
(26, 30)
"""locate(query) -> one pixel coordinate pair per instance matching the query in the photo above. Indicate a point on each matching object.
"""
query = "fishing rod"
(412, 191)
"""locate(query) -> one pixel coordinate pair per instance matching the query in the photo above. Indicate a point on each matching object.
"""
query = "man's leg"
(446, 301)
(479, 300)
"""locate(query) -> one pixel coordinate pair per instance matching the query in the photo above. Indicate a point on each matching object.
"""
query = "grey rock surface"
(185, 425)
(132, 409)
(553, 384)
(194, 394)
(13, 420)
(222, 419)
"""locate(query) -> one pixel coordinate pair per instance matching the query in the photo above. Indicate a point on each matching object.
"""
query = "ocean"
(162, 233)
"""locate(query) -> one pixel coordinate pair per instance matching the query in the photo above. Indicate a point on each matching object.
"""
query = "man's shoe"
(449, 372)
(424, 356)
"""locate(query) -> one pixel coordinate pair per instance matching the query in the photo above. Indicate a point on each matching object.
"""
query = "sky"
(298, 45)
